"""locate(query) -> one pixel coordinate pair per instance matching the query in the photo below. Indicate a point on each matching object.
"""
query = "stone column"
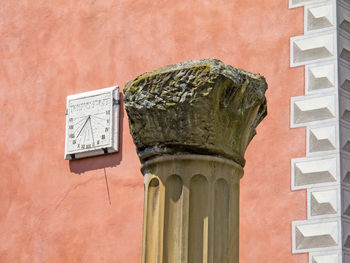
(191, 123)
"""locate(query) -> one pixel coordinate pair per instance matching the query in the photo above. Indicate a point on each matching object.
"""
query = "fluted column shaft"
(191, 209)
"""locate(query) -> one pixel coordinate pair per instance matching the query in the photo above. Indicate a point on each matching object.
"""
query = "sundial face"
(92, 123)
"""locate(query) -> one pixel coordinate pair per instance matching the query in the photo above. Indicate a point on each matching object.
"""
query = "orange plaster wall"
(52, 210)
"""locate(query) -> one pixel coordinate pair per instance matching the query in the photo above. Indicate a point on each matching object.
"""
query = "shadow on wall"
(103, 161)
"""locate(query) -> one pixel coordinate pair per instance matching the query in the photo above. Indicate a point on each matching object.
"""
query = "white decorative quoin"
(319, 77)
(321, 139)
(92, 120)
(324, 111)
(323, 202)
(312, 109)
(324, 258)
(297, 3)
(315, 235)
(313, 48)
(344, 78)
(314, 172)
(319, 17)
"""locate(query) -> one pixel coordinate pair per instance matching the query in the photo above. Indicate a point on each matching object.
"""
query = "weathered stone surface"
(193, 117)
(202, 107)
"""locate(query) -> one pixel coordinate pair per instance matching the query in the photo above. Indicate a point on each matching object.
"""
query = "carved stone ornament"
(197, 107)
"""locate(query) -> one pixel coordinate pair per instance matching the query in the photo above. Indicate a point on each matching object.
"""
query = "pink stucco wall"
(52, 210)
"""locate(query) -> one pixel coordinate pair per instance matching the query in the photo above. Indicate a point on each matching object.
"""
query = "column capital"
(199, 107)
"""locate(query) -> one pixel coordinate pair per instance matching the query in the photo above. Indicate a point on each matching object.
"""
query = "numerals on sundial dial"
(91, 124)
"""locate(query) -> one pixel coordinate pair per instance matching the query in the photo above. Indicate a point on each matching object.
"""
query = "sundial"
(92, 120)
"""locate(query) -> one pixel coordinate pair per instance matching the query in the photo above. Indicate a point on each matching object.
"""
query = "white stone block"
(309, 172)
(311, 109)
(345, 139)
(319, 17)
(346, 202)
(312, 48)
(321, 139)
(346, 258)
(319, 77)
(344, 109)
(344, 49)
(345, 170)
(325, 258)
(322, 202)
(346, 234)
(315, 235)
(297, 3)
(344, 77)
(344, 2)
(344, 20)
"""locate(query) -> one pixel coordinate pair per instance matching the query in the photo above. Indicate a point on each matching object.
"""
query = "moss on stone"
(202, 106)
